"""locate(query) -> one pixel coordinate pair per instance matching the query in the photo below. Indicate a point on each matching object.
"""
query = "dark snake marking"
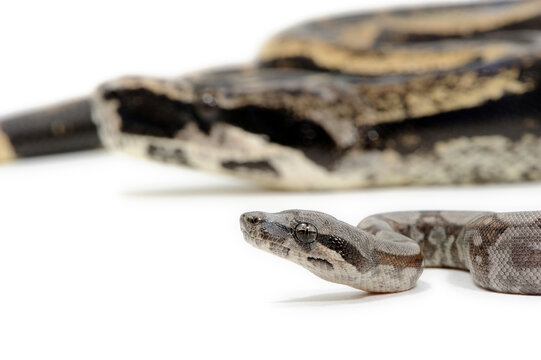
(167, 155)
(346, 250)
(320, 263)
(261, 165)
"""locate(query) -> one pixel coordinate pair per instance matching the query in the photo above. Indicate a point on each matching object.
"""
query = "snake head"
(330, 248)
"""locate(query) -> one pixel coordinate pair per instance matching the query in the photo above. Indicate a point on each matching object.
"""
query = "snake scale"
(431, 95)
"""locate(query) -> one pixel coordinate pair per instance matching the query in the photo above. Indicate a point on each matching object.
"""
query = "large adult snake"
(434, 95)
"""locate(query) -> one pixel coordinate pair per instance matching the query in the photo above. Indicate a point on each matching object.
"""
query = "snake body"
(387, 252)
(434, 95)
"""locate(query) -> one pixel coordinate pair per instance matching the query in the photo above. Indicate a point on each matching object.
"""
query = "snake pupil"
(306, 233)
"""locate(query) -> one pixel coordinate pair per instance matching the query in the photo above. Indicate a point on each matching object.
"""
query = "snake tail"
(65, 127)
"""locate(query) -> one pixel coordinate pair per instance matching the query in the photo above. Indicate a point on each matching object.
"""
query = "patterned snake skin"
(430, 95)
(395, 97)
(387, 252)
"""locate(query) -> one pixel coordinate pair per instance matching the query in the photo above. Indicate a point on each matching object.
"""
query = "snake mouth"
(254, 233)
(265, 243)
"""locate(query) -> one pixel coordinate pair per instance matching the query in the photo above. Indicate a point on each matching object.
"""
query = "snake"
(412, 96)
(387, 252)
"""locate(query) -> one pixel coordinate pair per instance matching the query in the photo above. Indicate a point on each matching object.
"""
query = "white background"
(107, 257)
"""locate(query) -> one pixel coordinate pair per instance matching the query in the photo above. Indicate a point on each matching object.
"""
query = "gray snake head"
(336, 251)
(331, 249)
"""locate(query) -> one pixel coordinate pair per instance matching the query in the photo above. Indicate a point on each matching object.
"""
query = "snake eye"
(305, 233)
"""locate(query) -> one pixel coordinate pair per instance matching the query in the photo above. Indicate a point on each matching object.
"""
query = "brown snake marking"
(387, 252)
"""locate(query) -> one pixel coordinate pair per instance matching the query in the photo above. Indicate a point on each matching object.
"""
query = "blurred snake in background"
(432, 95)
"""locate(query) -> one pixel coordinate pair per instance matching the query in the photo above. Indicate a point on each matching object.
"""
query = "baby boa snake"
(434, 95)
(386, 252)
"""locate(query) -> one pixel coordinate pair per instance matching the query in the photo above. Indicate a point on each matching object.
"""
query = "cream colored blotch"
(6, 149)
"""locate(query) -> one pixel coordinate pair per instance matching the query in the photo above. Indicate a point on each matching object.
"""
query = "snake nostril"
(253, 219)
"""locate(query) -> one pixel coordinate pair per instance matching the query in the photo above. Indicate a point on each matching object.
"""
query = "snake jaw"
(258, 232)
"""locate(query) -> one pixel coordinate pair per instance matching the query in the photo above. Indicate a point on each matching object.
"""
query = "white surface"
(107, 257)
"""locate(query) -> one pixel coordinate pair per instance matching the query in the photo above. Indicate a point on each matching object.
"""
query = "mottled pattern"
(387, 252)
(505, 252)
(402, 97)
